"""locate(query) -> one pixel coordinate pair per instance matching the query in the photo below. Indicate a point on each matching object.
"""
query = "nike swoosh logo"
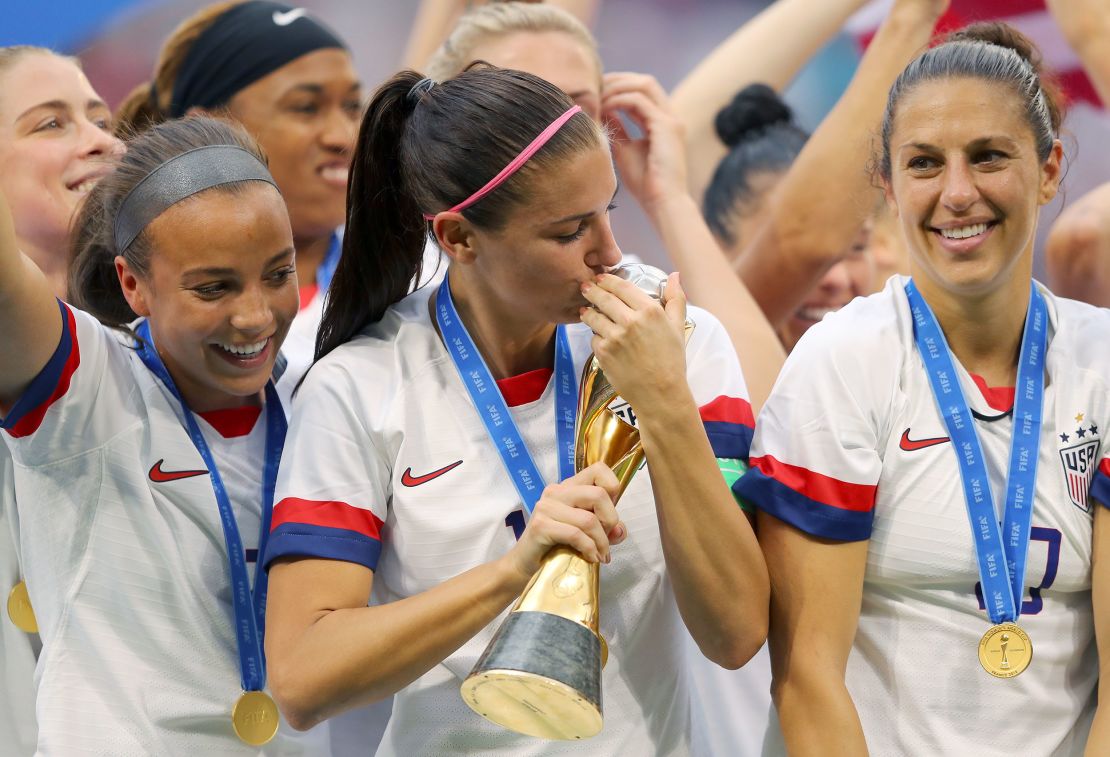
(159, 476)
(911, 445)
(284, 19)
(410, 480)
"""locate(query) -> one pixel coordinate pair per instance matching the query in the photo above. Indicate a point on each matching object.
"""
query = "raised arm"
(771, 48)
(653, 170)
(29, 323)
(816, 592)
(712, 557)
(1086, 25)
(819, 205)
(1077, 253)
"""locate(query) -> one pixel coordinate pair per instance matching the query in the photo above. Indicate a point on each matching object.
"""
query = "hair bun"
(754, 108)
(1003, 35)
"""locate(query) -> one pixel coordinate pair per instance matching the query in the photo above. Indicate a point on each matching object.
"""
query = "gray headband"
(183, 176)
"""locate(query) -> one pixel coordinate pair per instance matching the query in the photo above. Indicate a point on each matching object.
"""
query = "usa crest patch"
(1080, 460)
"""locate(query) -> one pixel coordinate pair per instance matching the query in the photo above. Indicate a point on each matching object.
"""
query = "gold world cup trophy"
(541, 673)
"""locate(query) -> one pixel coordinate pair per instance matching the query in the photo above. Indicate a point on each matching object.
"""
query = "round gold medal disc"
(1005, 650)
(20, 610)
(255, 718)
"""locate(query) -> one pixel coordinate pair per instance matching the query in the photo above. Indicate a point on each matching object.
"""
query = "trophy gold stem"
(541, 673)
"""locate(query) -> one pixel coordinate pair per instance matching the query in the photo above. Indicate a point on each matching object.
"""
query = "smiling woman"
(55, 143)
(928, 468)
(138, 440)
(290, 81)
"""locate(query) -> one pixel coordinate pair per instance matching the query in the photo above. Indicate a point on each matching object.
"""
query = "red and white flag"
(1030, 17)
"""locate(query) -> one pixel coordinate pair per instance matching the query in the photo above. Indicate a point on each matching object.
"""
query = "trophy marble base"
(540, 676)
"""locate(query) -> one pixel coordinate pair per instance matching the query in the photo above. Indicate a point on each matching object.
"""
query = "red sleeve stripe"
(53, 381)
(1104, 467)
(818, 487)
(328, 514)
(728, 410)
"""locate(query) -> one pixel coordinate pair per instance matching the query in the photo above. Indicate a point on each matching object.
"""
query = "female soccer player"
(138, 446)
(803, 229)
(399, 487)
(55, 144)
(290, 81)
(929, 467)
(552, 44)
(763, 142)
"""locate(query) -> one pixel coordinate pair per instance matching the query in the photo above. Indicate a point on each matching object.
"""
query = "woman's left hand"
(641, 345)
(652, 167)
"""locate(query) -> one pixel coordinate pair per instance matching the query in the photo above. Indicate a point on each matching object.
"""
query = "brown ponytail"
(423, 150)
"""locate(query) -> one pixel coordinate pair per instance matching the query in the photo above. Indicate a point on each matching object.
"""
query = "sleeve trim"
(299, 540)
(1100, 486)
(729, 440)
(50, 385)
(817, 487)
(326, 514)
(812, 517)
(728, 410)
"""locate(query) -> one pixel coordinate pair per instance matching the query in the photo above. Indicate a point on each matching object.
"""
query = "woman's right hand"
(579, 512)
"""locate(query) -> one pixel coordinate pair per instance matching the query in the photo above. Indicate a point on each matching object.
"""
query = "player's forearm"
(713, 559)
(10, 258)
(1077, 252)
(29, 324)
(819, 206)
(433, 23)
(348, 657)
(770, 48)
(1098, 742)
(711, 283)
(1086, 25)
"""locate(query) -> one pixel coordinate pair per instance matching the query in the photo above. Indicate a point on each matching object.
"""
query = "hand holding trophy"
(541, 673)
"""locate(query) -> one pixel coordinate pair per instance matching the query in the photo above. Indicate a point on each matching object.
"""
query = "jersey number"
(1035, 604)
(515, 521)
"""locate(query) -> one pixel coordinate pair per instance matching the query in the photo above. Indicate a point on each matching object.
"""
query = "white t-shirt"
(125, 559)
(380, 414)
(851, 446)
(18, 650)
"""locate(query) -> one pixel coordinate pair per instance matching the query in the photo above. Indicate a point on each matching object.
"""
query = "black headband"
(243, 45)
(183, 176)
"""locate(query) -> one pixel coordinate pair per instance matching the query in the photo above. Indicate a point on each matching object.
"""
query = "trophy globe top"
(646, 278)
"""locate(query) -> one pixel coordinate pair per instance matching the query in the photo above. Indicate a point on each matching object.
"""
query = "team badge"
(1079, 456)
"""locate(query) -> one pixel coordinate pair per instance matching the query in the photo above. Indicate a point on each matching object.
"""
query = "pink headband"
(514, 164)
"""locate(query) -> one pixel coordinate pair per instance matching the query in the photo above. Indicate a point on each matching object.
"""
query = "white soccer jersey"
(851, 446)
(18, 650)
(125, 558)
(388, 464)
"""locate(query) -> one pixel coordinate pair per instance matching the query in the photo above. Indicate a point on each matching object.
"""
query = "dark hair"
(759, 130)
(148, 103)
(425, 151)
(93, 283)
(992, 51)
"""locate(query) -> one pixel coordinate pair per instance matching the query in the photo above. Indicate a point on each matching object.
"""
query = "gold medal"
(1005, 650)
(20, 610)
(255, 718)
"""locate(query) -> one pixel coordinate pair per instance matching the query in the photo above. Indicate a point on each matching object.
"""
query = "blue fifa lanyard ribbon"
(1001, 549)
(250, 606)
(325, 272)
(491, 406)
